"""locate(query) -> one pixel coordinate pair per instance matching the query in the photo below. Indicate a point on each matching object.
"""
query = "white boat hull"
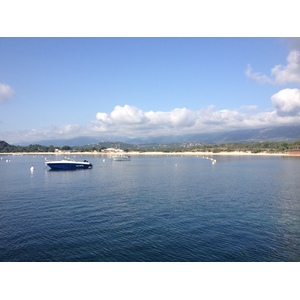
(121, 157)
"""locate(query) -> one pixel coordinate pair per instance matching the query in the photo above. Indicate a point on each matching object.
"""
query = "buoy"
(31, 168)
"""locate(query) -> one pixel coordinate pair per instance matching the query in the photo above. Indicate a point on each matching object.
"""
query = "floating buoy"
(31, 168)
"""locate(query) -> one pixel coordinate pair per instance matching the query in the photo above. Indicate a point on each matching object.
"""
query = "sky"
(54, 88)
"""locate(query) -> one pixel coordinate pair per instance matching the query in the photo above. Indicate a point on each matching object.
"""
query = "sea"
(154, 208)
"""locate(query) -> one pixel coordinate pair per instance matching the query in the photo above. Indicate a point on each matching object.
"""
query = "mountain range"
(274, 134)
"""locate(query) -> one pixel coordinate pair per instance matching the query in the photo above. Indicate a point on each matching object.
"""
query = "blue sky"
(137, 87)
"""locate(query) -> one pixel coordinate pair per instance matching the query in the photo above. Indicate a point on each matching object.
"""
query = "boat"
(121, 157)
(68, 164)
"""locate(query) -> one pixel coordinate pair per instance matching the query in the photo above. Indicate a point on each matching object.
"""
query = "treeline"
(7, 148)
(253, 147)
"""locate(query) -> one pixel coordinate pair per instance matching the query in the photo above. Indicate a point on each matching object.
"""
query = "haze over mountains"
(275, 134)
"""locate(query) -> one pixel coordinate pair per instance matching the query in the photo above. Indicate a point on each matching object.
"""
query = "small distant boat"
(68, 164)
(121, 157)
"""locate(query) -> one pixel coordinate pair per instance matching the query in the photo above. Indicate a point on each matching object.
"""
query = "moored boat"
(68, 164)
(121, 157)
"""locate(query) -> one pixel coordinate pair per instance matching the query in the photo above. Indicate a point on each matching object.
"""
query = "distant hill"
(5, 146)
(274, 134)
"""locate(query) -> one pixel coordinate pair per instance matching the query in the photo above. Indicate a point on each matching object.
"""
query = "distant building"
(294, 150)
(110, 150)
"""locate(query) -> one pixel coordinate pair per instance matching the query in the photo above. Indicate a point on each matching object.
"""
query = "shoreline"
(187, 153)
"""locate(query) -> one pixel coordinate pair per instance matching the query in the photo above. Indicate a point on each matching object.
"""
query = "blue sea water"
(152, 208)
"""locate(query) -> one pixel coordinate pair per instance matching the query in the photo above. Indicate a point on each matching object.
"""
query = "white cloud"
(103, 117)
(289, 73)
(184, 121)
(280, 74)
(128, 115)
(260, 78)
(131, 119)
(182, 117)
(287, 102)
(178, 117)
(6, 92)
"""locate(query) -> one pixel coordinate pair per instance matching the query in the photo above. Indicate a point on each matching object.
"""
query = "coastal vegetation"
(251, 147)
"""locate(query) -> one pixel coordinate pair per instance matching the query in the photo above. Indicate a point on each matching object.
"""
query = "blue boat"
(68, 164)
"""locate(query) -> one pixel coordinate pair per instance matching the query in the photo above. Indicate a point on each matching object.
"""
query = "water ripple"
(149, 210)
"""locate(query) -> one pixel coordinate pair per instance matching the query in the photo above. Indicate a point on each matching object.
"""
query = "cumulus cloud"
(287, 102)
(132, 122)
(6, 92)
(128, 115)
(130, 118)
(182, 117)
(280, 74)
(178, 117)
(289, 73)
